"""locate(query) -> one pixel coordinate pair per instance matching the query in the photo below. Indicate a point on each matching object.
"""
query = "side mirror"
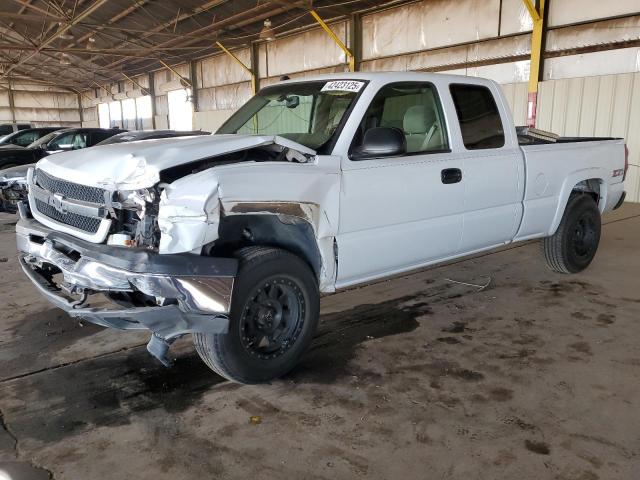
(381, 142)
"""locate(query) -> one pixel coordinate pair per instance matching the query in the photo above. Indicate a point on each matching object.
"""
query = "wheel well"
(283, 231)
(590, 187)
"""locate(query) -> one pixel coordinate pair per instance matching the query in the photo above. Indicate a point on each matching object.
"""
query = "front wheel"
(572, 248)
(274, 314)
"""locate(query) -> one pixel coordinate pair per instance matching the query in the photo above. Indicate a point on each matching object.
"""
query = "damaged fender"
(193, 207)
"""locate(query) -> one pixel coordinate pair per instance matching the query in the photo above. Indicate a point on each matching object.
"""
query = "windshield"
(308, 113)
(43, 140)
(7, 138)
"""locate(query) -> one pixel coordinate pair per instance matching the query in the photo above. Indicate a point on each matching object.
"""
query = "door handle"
(451, 175)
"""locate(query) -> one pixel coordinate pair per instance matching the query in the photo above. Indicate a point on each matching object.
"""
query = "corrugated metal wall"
(597, 106)
(595, 93)
(602, 106)
(40, 105)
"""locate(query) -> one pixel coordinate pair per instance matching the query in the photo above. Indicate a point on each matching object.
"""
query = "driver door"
(400, 212)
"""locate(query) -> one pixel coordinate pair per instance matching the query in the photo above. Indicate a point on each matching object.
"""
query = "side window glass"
(71, 141)
(479, 117)
(413, 108)
(26, 138)
(61, 143)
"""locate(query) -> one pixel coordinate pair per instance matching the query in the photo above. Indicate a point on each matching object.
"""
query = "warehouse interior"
(421, 376)
(119, 65)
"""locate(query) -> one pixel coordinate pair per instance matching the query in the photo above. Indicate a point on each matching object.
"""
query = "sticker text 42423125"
(343, 86)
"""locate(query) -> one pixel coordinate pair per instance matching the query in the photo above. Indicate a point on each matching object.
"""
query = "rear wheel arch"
(593, 186)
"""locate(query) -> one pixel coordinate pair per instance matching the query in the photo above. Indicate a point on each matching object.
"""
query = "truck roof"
(388, 77)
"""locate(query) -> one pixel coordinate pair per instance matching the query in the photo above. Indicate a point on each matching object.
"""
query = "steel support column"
(193, 73)
(12, 106)
(80, 109)
(538, 16)
(255, 65)
(350, 57)
(152, 94)
(355, 39)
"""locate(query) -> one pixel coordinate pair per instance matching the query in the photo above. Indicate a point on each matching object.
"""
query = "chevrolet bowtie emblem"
(56, 201)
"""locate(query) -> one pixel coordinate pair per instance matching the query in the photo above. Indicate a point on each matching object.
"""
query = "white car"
(313, 186)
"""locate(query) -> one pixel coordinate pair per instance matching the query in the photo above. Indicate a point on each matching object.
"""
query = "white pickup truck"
(312, 186)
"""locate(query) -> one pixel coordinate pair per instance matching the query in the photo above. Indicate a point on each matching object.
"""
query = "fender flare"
(288, 232)
(568, 186)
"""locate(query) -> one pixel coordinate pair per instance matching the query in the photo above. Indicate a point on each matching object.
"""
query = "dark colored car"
(136, 135)
(55, 142)
(24, 138)
(7, 128)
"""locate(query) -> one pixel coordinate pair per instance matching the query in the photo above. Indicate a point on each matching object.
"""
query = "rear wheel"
(572, 248)
(274, 314)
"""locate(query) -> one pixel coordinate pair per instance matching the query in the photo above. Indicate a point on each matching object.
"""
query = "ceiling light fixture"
(267, 33)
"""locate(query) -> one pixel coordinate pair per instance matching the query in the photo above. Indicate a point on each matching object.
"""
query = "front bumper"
(191, 293)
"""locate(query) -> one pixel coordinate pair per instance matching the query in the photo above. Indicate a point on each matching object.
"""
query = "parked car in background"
(135, 135)
(7, 128)
(54, 142)
(13, 179)
(24, 138)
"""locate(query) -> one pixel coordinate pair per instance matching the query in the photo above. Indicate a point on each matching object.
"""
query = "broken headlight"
(135, 213)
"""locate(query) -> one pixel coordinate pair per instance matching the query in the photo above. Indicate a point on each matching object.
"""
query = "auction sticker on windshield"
(343, 86)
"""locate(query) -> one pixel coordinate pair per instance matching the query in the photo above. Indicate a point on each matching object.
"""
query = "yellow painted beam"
(537, 16)
(143, 89)
(536, 44)
(109, 92)
(241, 63)
(532, 10)
(83, 95)
(184, 80)
(336, 39)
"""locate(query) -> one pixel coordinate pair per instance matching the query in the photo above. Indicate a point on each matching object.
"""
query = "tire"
(572, 248)
(274, 314)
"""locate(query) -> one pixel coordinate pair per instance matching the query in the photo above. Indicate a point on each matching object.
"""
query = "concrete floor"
(535, 377)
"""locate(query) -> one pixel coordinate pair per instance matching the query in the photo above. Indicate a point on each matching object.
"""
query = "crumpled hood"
(134, 165)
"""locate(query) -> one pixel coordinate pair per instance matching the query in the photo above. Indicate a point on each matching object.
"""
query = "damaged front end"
(96, 255)
(13, 188)
(170, 295)
(133, 249)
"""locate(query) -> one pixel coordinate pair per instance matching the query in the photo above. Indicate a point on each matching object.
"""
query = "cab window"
(478, 115)
(412, 107)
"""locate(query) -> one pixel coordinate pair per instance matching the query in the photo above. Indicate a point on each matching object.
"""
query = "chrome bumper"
(192, 293)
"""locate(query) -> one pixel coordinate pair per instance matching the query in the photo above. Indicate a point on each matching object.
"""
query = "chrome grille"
(86, 224)
(69, 190)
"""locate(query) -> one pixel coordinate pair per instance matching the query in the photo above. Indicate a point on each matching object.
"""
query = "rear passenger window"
(478, 115)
